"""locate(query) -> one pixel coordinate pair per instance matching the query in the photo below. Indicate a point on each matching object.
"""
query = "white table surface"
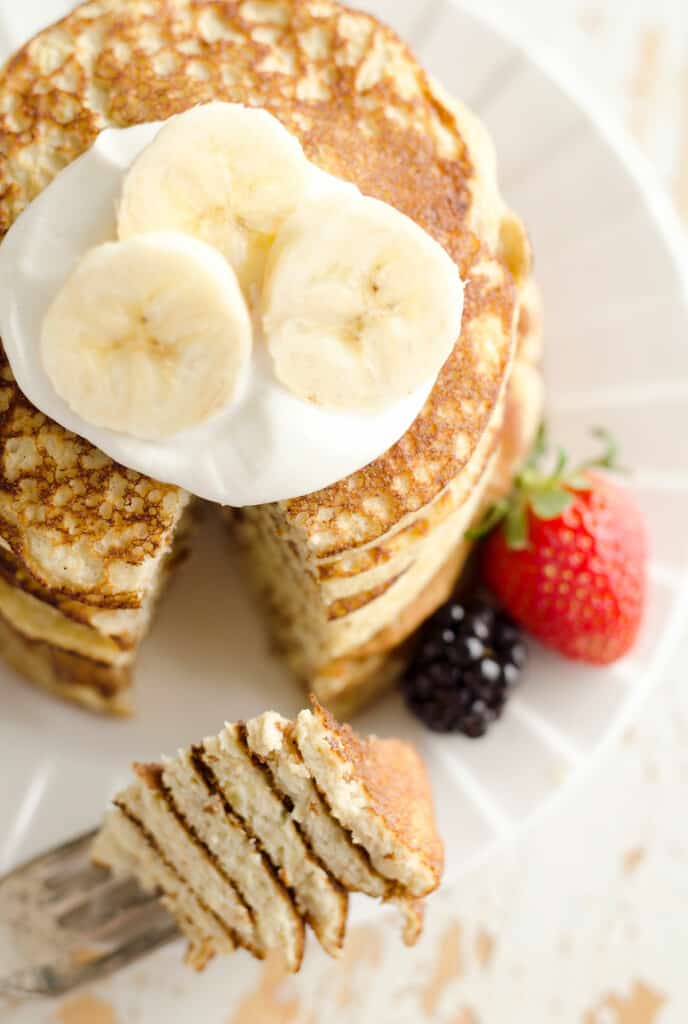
(585, 919)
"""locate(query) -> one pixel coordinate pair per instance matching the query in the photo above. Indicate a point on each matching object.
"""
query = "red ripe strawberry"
(569, 561)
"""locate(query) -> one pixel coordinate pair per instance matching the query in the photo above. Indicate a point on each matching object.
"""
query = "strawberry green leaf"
(562, 461)
(492, 518)
(516, 527)
(550, 502)
(539, 449)
(609, 459)
(610, 456)
(578, 482)
(545, 486)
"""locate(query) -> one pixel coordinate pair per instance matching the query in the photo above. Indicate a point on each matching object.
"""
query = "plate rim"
(557, 67)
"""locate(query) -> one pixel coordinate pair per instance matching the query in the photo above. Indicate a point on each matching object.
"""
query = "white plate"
(609, 260)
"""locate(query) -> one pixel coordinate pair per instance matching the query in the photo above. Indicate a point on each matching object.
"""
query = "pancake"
(179, 828)
(366, 639)
(270, 738)
(85, 548)
(379, 791)
(249, 790)
(340, 568)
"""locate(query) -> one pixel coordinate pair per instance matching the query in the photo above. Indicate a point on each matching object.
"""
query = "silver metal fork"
(64, 921)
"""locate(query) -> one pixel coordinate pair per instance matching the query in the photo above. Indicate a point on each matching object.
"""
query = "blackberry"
(469, 660)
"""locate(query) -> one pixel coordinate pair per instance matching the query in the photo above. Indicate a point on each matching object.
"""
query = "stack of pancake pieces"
(253, 834)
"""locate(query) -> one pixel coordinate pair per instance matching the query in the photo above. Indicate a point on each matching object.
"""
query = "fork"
(64, 921)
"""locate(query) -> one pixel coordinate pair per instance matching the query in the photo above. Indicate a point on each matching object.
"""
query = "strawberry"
(566, 556)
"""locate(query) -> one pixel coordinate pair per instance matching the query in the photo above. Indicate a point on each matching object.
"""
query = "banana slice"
(148, 336)
(227, 174)
(360, 306)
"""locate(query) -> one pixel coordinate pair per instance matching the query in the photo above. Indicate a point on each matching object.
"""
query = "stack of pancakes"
(85, 546)
(265, 828)
(346, 573)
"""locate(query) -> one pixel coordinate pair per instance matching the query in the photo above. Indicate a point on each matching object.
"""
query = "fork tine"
(119, 933)
(85, 878)
(60, 978)
(72, 897)
(73, 850)
(69, 922)
(59, 895)
(91, 913)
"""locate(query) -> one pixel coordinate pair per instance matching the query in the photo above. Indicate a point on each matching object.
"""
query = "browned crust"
(344, 606)
(56, 485)
(435, 593)
(198, 957)
(413, 912)
(16, 574)
(375, 667)
(397, 787)
(354, 847)
(94, 685)
(395, 543)
(349, 682)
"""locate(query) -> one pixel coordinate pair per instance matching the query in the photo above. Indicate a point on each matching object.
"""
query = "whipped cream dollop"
(267, 444)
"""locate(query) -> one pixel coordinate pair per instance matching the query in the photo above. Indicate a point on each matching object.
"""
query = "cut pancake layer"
(270, 738)
(128, 848)
(216, 827)
(378, 789)
(248, 790)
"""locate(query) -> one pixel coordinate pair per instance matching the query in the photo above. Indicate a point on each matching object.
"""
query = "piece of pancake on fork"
(262, 830)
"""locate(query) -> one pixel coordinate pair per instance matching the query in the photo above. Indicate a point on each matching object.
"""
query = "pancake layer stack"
(346, 573)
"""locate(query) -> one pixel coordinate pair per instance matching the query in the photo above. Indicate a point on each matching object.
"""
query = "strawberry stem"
(609, 458)
(516, 525)
(546, 494)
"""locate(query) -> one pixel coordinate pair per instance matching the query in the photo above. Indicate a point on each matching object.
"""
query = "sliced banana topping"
(227, 174)
(148, 336)
(360, 305)
(228, 233)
